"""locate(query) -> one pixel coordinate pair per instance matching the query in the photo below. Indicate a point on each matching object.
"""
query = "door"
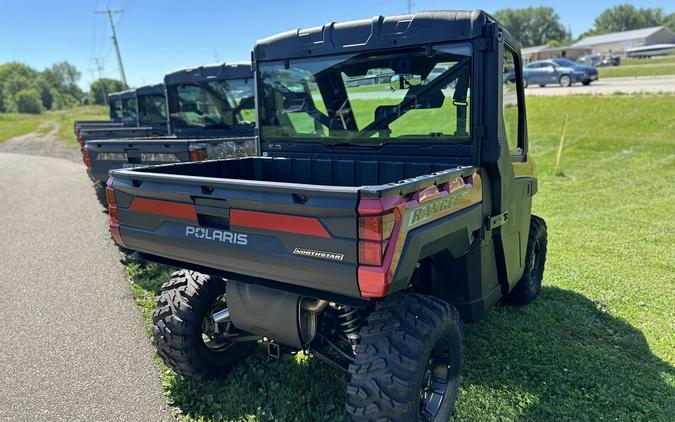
(519, 184)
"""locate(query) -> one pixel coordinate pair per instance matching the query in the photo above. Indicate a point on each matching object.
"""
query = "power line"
(110, 14)
(99, 67)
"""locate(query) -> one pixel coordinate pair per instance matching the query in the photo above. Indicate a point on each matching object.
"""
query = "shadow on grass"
(562, 358)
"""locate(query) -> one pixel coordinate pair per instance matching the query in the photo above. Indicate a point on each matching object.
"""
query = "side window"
(510, 103)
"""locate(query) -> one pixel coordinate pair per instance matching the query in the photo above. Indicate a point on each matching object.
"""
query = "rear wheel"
(185, 332)
(565, 80)
(529, 285)
(408, 364)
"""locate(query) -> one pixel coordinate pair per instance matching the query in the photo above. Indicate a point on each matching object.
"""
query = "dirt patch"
(36, 143)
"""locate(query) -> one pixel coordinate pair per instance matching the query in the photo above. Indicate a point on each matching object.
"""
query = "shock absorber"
(350, 323)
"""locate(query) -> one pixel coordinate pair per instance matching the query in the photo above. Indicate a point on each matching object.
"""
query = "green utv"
(391, 203)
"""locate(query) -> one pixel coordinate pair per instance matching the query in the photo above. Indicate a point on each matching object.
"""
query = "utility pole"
(110, 14)
(99, 67)
(409, 6)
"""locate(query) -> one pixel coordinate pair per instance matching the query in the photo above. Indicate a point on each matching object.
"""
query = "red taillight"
(115, 233)
(111, 199)
(371, 253)
(376, 228)
(197, 155)
(113, 212)
(110, 196)
(379, 227)
(86, 157)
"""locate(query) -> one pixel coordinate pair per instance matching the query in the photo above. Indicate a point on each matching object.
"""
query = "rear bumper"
(264, 257)
(311, 291)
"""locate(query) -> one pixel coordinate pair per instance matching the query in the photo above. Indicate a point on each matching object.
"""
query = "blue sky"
(160, 36)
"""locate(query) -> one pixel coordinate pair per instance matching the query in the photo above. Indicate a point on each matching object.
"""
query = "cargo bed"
(227, 215)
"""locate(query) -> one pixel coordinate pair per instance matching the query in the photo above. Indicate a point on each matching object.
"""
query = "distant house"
(543, 52)
(621, 42)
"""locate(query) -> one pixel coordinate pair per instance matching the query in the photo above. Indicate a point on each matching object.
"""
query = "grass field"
(597, 345)
(653, 68)
(653, 60)
(12, 125)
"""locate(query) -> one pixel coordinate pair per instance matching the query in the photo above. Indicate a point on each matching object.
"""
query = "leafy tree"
(26, 101)
(669, 22)
(625, 17)
(56, 87)
(100, 88)
(533, 25)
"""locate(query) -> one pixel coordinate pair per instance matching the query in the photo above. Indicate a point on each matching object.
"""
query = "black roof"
(129, 93)
(202, 73)
(380, 32)
(150, 89)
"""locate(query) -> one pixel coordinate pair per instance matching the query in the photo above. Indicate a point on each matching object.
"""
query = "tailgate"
(304, 235)
(108, 155)
(104, 156)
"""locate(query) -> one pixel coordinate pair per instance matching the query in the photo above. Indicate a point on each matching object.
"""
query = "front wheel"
(565, 81)
(188, 335)
(586, 83)
(408, 364)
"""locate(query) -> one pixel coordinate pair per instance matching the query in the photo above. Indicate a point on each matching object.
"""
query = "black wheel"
(525, 83)
(408, 364)
(529, 285)
(586, 82)
(100, 194)
(184, 330)
(542, 85)
(565, 80)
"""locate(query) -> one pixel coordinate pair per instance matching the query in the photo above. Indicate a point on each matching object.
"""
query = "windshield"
(564, 62)
(212, 105)
(152, 109)
(129, 110)
(418, 92)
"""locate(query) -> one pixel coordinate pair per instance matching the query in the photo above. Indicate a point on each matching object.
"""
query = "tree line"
(26, 90)
(541, 25)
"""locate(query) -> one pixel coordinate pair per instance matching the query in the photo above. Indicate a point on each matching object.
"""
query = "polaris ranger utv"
(115, 106)
(392, 203)
(131, 123)
(211, 115)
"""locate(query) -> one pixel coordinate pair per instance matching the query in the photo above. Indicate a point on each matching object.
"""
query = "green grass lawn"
(653, 68)
(12, 124)
(653, 60)
(66, 119)
(598, 344)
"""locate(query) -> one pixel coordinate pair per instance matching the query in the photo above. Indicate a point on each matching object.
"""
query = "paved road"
(610, 86)
(72, 342)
